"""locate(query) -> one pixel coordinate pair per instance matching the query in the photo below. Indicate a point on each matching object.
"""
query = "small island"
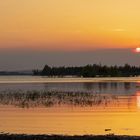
(95, 70)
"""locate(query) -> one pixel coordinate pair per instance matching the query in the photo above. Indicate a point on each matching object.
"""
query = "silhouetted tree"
(91, 71)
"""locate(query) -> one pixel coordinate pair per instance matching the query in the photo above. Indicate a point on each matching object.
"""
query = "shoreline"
(66, 137)
(39, 79)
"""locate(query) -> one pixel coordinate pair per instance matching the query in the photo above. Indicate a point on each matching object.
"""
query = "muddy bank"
(59, 137)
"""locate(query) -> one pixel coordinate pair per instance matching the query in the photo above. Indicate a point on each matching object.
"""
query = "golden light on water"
(138, 100)
(121, 119)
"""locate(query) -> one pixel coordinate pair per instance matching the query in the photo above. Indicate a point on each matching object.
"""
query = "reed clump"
(26, 99)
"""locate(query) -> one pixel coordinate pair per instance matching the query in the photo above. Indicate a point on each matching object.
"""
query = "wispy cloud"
(118, 30)
(113, 29)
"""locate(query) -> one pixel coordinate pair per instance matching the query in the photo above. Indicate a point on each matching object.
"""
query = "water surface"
(69, 106)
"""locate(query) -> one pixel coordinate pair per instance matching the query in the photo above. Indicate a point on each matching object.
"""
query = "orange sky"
(69, 24)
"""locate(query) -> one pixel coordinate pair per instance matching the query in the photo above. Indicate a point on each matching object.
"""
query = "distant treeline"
(16, 73)
(94, 70)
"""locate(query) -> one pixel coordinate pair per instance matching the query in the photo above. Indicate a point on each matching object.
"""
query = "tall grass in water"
(26, 99)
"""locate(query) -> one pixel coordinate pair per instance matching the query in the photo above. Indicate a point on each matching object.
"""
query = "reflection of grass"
(52, 98)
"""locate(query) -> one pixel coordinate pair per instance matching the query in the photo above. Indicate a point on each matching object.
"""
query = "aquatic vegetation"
(26, 99)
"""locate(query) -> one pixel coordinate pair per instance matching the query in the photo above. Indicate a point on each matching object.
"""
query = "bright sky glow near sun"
(69, 24)
(137, 50)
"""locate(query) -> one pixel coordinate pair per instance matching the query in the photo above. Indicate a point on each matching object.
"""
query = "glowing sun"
(137, 50)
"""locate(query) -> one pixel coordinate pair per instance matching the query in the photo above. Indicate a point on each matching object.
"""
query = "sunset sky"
(67, 26)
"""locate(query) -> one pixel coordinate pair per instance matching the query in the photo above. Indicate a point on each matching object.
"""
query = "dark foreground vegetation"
(90, 71)
(57, 137)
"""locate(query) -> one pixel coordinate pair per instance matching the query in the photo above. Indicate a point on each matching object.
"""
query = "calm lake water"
(40, 105)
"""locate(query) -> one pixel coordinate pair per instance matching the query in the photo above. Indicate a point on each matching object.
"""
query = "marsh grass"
(27, 99)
